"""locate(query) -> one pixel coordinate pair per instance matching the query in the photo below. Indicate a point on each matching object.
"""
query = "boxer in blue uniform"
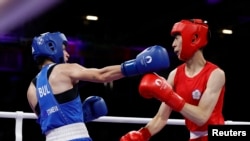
(53, 93)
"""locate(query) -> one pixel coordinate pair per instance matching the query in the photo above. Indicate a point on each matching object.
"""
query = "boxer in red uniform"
(195, 88)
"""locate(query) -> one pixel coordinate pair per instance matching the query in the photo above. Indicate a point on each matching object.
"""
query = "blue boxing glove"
(153, 58)
(93, 108)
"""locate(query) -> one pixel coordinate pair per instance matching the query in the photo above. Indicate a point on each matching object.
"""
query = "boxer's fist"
(141, 135)
(155, 86)
(93, 108)
(151, 59)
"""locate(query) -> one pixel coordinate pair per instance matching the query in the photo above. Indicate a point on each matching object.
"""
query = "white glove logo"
(158, 82)
(148, 59)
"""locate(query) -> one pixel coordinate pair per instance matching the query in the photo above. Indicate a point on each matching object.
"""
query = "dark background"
(124, 29)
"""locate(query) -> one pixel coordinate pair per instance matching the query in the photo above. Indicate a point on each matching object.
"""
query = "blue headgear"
(49, 45)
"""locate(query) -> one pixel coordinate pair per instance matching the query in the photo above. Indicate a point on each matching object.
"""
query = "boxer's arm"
(31, 96)
(151, 59)
(154, 126)
(200, 114)
(159, 121)
(106, 74)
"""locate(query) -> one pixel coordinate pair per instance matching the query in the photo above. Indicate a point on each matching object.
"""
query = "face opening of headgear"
(49, 45)
(194, 34)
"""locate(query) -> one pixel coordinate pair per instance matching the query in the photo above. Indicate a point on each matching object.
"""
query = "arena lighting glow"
(91, 18)
(8, 39)
(227, 31)
(213, 1)
(4, 3)
(21, 11)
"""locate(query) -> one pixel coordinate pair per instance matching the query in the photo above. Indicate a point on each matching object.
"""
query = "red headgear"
(194, 36)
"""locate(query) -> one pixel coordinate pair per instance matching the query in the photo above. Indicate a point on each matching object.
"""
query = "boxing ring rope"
(20, 115)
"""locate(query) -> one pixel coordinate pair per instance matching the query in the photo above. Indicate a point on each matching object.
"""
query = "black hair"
(41, 59)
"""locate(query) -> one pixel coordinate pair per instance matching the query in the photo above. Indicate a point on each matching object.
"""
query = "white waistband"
(68, 132)
(197, 134)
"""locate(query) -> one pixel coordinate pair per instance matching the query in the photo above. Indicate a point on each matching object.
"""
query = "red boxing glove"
(141, 135)
(152, 85)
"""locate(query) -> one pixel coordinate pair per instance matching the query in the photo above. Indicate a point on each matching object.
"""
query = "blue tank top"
(52, 114)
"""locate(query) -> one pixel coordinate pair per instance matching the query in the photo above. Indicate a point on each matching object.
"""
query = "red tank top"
(191, 89)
